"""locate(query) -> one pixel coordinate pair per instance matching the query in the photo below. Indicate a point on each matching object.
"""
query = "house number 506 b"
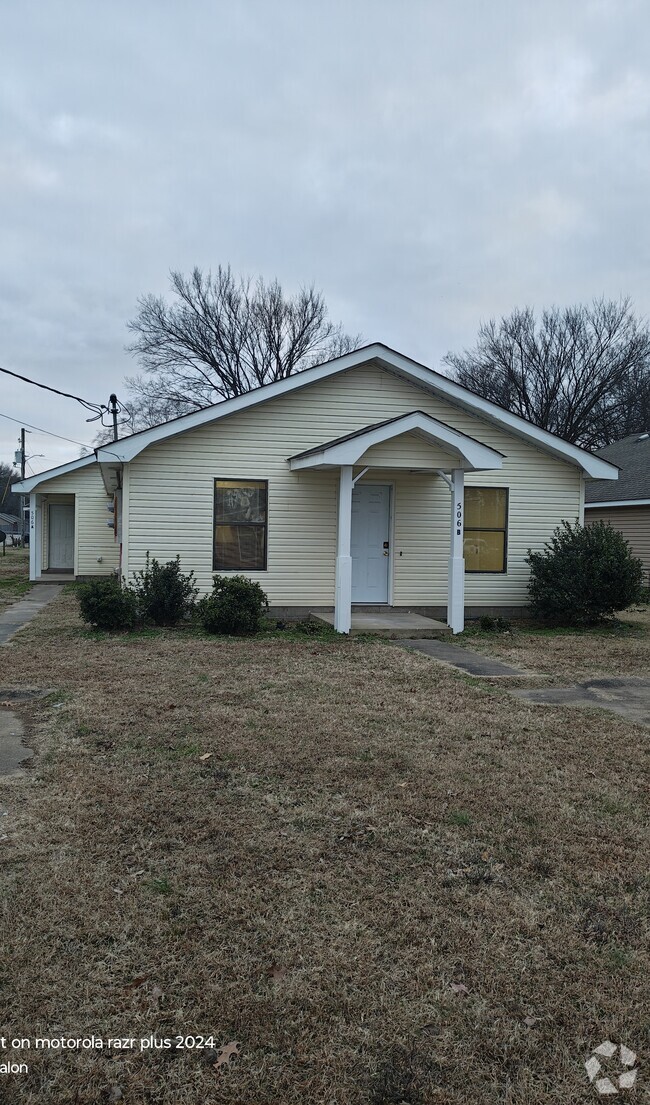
(459, 519)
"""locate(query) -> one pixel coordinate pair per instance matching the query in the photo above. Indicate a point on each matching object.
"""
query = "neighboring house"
(9, 523)
(369, 479)
(625, 504)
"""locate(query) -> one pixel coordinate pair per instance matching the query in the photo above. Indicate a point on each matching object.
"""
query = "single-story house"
(369, 480)
(625, 505)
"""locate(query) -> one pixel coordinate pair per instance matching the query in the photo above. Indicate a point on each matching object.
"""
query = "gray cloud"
(426, 164)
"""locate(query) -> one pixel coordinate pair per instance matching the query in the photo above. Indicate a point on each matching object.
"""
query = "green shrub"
(494, 625)
(234, 606)
(584, 574)
(106, 604)
(164, 594)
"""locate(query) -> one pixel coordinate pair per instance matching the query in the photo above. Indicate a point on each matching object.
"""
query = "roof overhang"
(25, 487)
(465, 452)
(617, 502)
(432, 382)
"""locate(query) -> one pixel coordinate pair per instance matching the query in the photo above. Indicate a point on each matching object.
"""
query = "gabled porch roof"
(464, 452)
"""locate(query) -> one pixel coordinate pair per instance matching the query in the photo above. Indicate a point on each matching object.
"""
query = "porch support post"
(343, 607)
(35, 535)
(456, 577)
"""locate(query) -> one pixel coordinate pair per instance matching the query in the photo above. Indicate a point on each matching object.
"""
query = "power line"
(21, 422)
(95, 407)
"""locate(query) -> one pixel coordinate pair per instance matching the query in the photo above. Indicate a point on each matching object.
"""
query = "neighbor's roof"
(632, 455)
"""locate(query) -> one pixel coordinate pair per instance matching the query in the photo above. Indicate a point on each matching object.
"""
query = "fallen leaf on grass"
(115, 1094)
(275, 973)
(206, 755)
(226, 1053)
(530, 1021)
(156, 995)
(136, 982)
(460, 988)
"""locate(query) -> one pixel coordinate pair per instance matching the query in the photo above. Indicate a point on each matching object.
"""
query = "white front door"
(370, 537)
(60, 548)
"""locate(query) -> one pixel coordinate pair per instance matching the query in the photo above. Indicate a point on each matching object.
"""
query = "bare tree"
(9, 500)
(223, 336)
(581, 372)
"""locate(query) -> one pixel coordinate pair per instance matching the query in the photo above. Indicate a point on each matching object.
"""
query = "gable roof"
(632, 455)
(23, 487)
(425, 378)
(472, 454)
(129, 447)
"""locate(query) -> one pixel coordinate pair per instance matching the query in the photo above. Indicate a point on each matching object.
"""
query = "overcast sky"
(426, 163)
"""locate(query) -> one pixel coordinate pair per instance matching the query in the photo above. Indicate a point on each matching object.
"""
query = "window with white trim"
(240, 525)
(485, 541)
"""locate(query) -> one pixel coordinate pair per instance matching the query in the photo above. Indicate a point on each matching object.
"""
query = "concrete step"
(393, 624)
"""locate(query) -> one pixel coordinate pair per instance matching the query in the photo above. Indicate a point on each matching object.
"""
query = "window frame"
(215, 523)
(488, 529)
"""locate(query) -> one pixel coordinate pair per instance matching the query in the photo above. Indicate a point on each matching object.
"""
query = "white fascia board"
(25, 487)
(619, 502)
(472, 453)
(129, 447)
(434, 382)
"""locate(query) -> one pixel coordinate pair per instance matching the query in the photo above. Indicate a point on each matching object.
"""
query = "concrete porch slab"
(391, 623)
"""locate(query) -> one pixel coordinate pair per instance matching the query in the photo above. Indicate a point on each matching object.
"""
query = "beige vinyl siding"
(406, 451)
(632, 521)
(170, 498)
(93, 537)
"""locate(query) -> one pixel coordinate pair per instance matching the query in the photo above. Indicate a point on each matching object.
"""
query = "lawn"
(620, 647)
(14, 575)
(387, 882)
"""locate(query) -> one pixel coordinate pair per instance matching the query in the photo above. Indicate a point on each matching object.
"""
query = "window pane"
(484, 551)
(239, 547)
(241, 501)
(485, 507)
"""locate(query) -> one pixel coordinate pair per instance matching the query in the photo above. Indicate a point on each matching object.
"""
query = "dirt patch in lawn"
(386, 883)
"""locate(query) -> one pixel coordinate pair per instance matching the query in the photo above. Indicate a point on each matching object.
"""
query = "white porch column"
(343, 607)
(35, 535)
(456, 577)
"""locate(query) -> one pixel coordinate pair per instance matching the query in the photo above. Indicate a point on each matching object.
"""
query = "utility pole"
(22, 497)
(113, 410)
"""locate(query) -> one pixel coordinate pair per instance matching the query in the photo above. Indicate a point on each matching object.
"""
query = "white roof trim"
(23, 487)
(592, 466)
(473, 455)
(619, 502)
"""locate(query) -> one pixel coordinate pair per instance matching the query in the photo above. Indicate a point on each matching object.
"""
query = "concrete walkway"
(629, 697)
(20, 613)
(12, 749)
(474, 663)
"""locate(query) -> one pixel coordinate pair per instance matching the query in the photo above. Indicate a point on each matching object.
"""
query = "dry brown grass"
(620, 648)
(374, 826)
(14, 575)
